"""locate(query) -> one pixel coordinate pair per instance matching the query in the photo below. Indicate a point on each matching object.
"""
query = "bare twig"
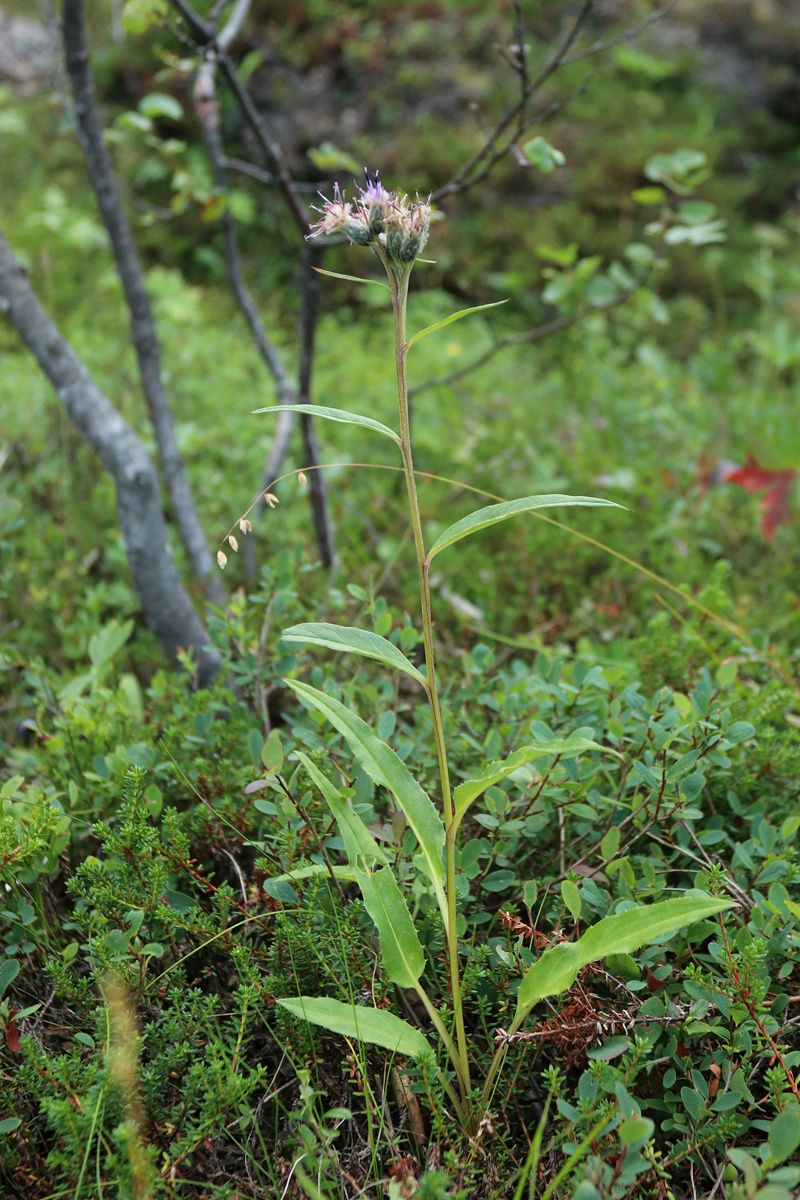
(514, 122)
(143, 331)
(207, 111)
(474, 170)
(308, 327)
(626, 36)
(270, 145)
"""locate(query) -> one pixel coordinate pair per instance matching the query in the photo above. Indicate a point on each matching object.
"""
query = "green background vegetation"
(127, 841)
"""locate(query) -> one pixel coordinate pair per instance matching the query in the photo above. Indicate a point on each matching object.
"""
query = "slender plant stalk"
(399, 279)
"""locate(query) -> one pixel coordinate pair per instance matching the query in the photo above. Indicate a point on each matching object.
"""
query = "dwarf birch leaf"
(357, 641)
(494, 513)
(360, 845)
(465, 312)
(371, 1025)
(331, 414)
(625, 932)
(401, 952)
(385, 768)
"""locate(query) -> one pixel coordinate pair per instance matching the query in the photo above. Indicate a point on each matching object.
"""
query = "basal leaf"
(331, 414)
(625, 932)
(360, 845)
(357, 641)
(465, 312)
(371, 1025)
(494, 772)
(401, 952)
(494, 513)
(385, 768)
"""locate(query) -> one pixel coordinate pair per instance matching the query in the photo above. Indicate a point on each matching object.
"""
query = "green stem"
(575, 1158)
(399, 278)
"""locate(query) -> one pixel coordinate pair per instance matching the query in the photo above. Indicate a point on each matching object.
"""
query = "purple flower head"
(401, 226)
(374, 192)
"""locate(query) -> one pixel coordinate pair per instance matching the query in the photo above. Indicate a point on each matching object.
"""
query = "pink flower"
(377, 214)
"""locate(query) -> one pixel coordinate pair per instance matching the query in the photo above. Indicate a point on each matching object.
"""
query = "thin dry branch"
(318, 492)
(473, 171)
(143, 330)
(514, 122)
(206, 106)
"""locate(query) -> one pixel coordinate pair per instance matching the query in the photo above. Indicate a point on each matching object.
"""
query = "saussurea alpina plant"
(396, 230)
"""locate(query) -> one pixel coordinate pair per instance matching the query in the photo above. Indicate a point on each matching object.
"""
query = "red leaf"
(776, 485)
(12, 1036)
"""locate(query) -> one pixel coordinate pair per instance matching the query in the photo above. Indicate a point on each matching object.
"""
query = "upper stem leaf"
(494, 513)
(352, 278)
(465, 312)
(494, 772)
(332, 414)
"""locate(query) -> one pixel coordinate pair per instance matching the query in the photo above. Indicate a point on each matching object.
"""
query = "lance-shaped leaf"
(331, 414)
(494, 513)
(625, 932)
(347, 873)
(352, 278)
(360, 846)
(494, 772)
(464, 312)
(401, 952)
(371, 1025)
(385, 768)
(357, 641)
